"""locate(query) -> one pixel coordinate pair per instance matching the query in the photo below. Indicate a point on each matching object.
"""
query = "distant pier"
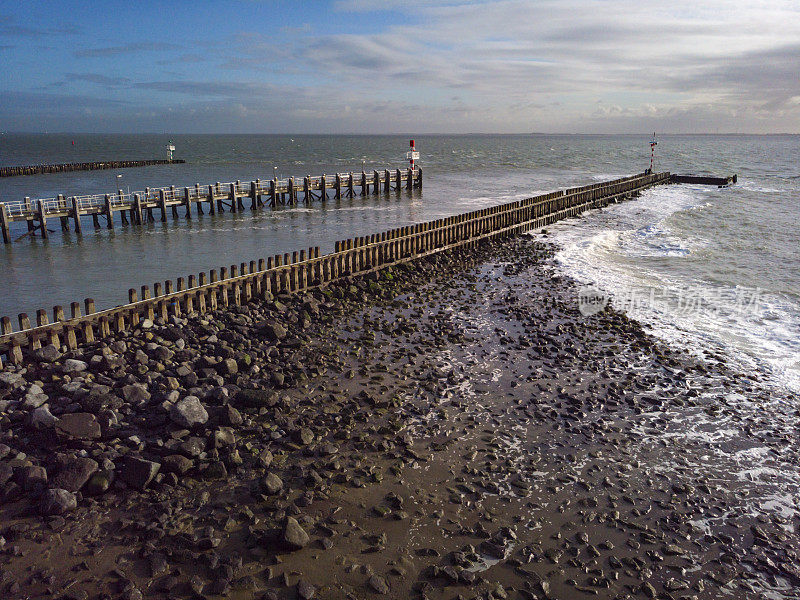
(84, 166)
(138, 207)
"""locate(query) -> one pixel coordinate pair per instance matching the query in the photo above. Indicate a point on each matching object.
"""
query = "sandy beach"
(455, 428)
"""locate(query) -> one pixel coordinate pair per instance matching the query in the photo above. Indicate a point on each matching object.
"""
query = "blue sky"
(370, 66)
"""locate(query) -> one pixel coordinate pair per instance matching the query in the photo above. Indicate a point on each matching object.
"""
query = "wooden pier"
(140, 207)
(304, 269)
(83, 166)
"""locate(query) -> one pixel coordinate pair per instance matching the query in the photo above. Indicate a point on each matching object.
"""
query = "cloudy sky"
(386, 66)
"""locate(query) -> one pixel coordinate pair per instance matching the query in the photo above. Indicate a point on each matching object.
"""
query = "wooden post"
(43, 220)
(292, 196)
(76, 215)
(323, 192)
(410, 182)
(162, 201)
(273, 192)
(137, 206)
(4, 223)
(109, 212)
(232, 197)
(350, 190)
(187, 201)
(306, 189)
(338, 185)
(363, 183)
(376, 182)
(28, 212)
(253, 195)
(211, 209)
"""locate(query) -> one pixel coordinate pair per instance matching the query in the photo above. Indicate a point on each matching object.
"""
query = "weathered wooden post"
(253, 195)
(162, 202)
(4, 219)
(76, 215)
(338, 186)
(292, 197)
(350, 190)
(137, 206)
(307, 189)
(188, 202)
(323, 192)
(43, 220)
(376, 181)
(273, 192)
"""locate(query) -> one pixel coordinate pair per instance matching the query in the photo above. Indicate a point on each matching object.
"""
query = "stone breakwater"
(443, 428)
(84, 166)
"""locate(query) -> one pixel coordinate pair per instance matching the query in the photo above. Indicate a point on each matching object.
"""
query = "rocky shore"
(453, 428)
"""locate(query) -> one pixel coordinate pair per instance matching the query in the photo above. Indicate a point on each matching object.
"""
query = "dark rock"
(135, 394)
(176, 463)
(256, 398)
(138, 472)
(32, 479)
(378, 585)
(74, 475)
(272, 484)
(98, 483)
(272, 331)
(80, 426)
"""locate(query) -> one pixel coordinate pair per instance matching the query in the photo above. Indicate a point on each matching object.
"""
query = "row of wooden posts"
(307, 268)
(82, 166)
(138, 207)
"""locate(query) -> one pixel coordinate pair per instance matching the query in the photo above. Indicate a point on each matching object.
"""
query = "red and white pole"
(411, 154)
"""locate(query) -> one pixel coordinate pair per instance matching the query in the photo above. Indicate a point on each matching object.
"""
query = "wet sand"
(455, 428)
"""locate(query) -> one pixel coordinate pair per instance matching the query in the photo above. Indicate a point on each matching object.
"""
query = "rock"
(34, 397)
(228, 367)
(224, 437)
(138, 472)
(47, 353)
(72, 365)
(146, 324)
(32, 479)
(74, 475)
(98, 484)
(188, 412)
(265, 458)
(176, 463)
(57, 502)
(305, 590)
(42, 418)
(231, 416)
(216, 470)
(294, 536)
(135, 394)
(304, 436)
(272, 484)
(273, 331)
(256, 398)
(8, 379)
(80, 426)
(378, 585)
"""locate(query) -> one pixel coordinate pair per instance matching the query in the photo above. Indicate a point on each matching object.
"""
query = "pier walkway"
(138, 207)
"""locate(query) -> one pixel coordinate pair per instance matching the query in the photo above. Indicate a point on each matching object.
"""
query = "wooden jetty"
(704, 180)
(138, 207)
(304, 269)
(83, 166)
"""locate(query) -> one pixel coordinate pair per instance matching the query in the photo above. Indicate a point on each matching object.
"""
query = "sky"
(390, 66)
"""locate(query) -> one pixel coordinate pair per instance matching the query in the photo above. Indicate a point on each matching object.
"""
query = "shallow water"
(731, 251)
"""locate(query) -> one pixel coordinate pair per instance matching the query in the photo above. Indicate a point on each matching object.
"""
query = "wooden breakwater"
(304, 269)
(705, 180)
(138, 207)
(82, 166)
